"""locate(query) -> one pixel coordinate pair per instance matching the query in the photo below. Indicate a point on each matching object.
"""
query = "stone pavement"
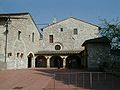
(24, 79)
(43, 79)
(27, 79)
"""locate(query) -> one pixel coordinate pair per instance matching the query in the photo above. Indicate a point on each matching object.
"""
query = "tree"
(111, 29)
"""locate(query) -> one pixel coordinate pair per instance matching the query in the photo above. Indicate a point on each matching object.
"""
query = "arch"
(30, 56)
(55, 61)
(73, 61)
(40, 61)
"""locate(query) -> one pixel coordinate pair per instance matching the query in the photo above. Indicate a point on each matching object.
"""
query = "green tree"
(111, 29)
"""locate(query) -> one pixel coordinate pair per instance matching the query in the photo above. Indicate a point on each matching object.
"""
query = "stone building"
(58, 44)
(19, 40)
(99, 54)
(96, 52)
(61, 43)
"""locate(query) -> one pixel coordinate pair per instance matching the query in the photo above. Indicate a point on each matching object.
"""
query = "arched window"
(33, 37)
(19, 33)
(21, 55)
(18, 55)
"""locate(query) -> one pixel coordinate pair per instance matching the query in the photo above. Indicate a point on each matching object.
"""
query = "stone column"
(48, 61)
(64, 61)
(33, 61)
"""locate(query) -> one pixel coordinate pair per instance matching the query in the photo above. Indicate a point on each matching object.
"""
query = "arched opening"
(30, 56)
(56, 61)
(40, 61)
(73, 61)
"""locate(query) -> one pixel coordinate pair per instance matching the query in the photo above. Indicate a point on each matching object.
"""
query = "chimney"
(54, 20)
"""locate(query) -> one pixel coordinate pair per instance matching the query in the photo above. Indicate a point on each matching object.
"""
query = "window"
(75, 31)
(18, 55)
(42, 29)
(19, 32)
(21, 55)
(61, 29)
(3, 20)
(33, 37)
(51, 38)
(57, 47)
(29, 37)
(9, 54)
(41, 36)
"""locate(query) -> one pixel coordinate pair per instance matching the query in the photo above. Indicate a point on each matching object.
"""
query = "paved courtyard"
(27, 79)
(43, 79)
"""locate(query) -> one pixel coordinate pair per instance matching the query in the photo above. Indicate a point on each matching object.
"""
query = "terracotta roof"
(73, 18)
(97, 40)
(57, 52)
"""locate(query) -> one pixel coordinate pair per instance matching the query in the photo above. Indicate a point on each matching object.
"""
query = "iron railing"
(85, 81)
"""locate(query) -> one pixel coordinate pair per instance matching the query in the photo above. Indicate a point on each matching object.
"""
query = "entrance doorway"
(73, 61)
(56, 61)
(30, 56)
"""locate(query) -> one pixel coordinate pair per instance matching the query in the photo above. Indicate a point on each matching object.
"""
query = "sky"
(44, 11)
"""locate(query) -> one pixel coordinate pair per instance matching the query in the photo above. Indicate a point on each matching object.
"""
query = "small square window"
(75, 31)
(61, 29)
(9, 54)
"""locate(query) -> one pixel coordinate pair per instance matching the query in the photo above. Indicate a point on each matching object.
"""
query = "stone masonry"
(66, 38)
(24, 41)
(20, 41)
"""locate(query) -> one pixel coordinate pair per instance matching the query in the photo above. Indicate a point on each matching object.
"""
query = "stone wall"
(66, 38)
(97, 52)
(19, 49)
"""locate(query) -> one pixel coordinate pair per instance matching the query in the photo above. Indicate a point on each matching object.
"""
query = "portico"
(52, 58)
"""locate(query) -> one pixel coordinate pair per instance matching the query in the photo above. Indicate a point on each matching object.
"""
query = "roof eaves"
(13, 14)
(97, 40)
(72, 18)
(55, 23)
(33, 21)
(57, 52)
(85, 22)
